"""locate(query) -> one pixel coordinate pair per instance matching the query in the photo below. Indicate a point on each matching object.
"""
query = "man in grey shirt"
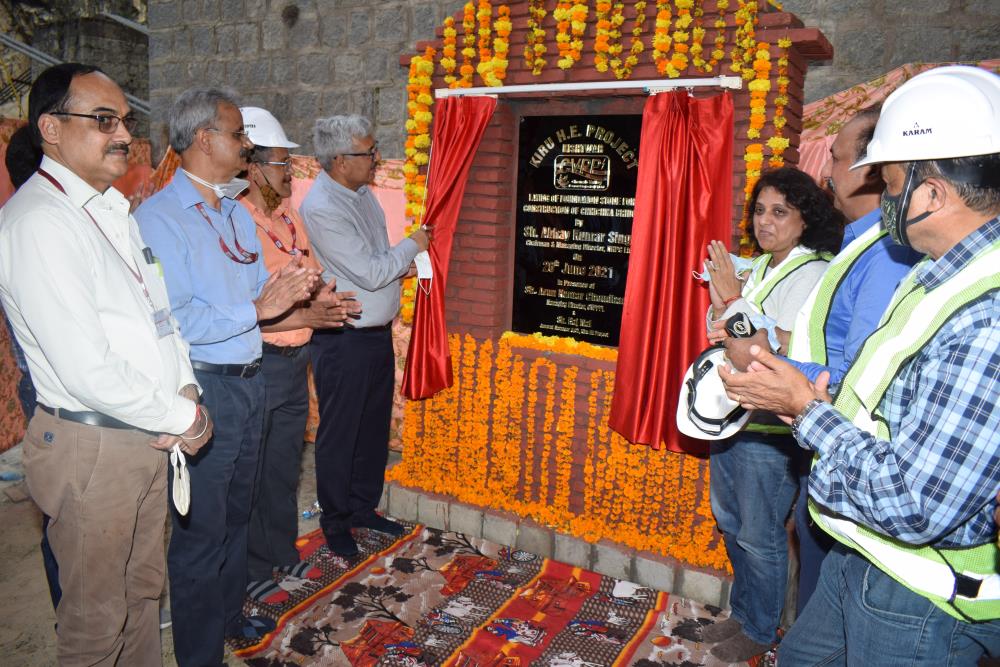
(354, 367)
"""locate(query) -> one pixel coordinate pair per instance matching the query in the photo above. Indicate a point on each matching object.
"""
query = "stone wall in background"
(871, 37)
(308, 58)
(300, 59)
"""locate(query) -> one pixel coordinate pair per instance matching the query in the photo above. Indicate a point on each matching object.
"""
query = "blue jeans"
(861, 616)
(753, 485)
(814, 544)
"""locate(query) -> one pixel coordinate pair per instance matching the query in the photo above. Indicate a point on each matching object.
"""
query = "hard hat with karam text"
(945, 112)
(263, 129)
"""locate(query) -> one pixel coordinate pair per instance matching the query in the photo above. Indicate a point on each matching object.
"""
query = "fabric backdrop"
(685, 185)
(459, 124)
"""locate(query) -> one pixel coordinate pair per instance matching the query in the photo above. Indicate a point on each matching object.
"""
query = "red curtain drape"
(683, 200)
(459, 123)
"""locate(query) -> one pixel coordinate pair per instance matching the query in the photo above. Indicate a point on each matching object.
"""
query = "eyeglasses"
(274, 164)
(106, 122)
(370, 153)
(237, 134)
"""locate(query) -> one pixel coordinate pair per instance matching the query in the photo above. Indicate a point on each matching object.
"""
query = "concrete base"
(606, 557)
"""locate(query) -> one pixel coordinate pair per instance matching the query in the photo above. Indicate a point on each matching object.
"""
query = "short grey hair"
(195, 109)
(336, 135)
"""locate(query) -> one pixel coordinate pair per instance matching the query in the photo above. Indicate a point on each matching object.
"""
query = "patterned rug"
(433, 598)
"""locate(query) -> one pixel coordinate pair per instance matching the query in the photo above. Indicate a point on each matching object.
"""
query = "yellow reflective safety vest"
(964, 582)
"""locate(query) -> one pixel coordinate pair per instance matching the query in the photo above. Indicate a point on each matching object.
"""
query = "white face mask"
(230, 189)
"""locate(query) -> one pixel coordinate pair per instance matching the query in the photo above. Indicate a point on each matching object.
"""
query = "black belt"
(284, 350)
(88, 418)
(239, 370)
(380, 327)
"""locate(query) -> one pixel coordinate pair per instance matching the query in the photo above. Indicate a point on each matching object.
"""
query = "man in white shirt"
(111, 370)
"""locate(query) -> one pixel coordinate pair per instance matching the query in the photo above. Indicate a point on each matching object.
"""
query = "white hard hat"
(263, 129)
(946, 112)
(704, 411)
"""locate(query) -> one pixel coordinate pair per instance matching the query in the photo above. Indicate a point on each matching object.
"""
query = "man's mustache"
(245, 154)
(123, 147)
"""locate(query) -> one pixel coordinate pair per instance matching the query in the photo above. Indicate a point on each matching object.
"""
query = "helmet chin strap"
(897, 228)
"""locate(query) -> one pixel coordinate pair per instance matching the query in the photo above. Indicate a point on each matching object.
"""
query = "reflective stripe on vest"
(759, 286)
(808, 339)
(964, 582)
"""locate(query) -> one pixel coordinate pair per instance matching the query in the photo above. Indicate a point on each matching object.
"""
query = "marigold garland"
(778, 143)
(623, 69)
(662, 39)
(571, 24)
(449, 51)
(418, 141)
(645, 499)
(698, 38)
(535, 46)
(608, 37)
(559, 344)
(468, 45)
(719, 46)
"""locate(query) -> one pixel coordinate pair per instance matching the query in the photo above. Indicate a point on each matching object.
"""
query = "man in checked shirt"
(907, 459)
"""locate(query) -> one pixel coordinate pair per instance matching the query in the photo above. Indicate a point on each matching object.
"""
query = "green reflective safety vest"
(964, 582)
(808, 339)
(759, 286)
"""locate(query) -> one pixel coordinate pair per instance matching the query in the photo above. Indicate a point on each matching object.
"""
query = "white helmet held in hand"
(263, 129)
(704, 411)
(946, 112)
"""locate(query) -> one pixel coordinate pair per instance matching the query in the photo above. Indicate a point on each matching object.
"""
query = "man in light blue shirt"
(219, 290)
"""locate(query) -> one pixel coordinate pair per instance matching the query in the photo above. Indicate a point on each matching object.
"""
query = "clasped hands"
(197, 434)
(772, 384)
(295, 285)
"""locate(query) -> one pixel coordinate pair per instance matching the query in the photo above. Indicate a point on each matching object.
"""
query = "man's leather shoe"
(342, 544)
(381, 524)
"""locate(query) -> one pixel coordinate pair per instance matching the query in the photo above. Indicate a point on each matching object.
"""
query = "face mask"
(271, 197)
(894, 209)
(230, 189)
(741, 264)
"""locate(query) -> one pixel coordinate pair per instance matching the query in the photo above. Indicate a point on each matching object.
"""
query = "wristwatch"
(802, 415)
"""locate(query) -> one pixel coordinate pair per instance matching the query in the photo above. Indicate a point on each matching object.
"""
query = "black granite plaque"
(575, 197)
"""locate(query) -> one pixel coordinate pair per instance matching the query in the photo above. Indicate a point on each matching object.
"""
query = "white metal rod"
(651, 85)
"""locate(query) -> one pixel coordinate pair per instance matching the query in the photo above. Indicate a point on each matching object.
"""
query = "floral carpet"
(442, 599)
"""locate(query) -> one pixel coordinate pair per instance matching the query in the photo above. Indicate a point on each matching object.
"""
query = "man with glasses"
(220, 291)
(284, 364)
(354, 367)
(111, 371)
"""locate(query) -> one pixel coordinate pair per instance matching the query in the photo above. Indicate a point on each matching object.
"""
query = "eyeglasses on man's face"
(370, 153)
(274, 164)
(106, 122)
(238, 135)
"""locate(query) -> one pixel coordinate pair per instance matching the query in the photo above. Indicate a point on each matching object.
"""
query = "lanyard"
(245, 257)
(278, 243)
(134, 271)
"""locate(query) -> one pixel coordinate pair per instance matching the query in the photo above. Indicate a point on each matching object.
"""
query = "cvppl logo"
(917, 131)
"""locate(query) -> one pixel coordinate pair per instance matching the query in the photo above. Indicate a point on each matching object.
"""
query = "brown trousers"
(106, 493)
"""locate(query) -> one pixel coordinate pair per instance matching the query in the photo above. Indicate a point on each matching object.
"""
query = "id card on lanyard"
(161, 316)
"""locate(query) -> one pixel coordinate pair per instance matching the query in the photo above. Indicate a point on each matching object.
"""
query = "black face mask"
(894, 209)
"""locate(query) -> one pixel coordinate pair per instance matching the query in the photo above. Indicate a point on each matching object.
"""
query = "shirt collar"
(339, 190)
(189, 195)
(77, 190)
(937, 272)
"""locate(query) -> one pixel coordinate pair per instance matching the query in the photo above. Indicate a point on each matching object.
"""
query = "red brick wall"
(481, 271)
